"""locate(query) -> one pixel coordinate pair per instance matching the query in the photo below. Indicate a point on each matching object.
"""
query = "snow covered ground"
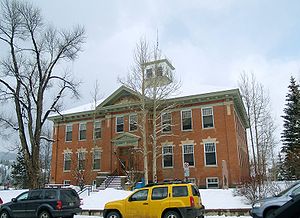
(80, 216)
(211, 198)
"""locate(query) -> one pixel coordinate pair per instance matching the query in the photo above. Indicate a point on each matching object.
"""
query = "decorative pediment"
(122, 95)
(126, 139)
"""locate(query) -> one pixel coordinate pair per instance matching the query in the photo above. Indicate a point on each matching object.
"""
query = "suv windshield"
(286, 190)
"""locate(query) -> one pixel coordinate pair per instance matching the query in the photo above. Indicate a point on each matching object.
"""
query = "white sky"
(210, 42)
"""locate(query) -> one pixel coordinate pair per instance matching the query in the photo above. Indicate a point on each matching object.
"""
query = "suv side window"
(50, 194)
(23, 197)
(35, 195)
(195, 191)
(179, 191)
(159, 193)
(296, 191)
(141, 195)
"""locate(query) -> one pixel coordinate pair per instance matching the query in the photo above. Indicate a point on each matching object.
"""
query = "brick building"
(207, 131)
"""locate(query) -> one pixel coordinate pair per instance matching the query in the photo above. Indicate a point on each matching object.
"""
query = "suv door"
(159, 200)
(137, 205)
(18, 205)
(35, 199)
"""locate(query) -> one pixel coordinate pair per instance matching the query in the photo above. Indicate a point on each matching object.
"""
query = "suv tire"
(113, 214)
(172, 214)
(4, 214)
(44, 214)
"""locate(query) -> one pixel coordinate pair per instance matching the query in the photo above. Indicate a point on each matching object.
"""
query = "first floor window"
(188, 154)
(81, 160)
(210, 154)
(120, 124)
(207, 118)
(96, 159)
(67, 182)
(168, 156)
(212, 182)
(67, 161)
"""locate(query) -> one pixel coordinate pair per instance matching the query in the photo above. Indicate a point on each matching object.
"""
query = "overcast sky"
(209, 42)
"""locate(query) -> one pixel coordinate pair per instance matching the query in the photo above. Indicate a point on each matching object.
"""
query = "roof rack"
(167, 182)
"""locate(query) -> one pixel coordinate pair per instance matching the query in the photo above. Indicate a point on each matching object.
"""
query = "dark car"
(290, 209)
(43, 203)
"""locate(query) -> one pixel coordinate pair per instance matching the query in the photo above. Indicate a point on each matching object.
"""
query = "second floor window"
(67, 161)
(186, 119)
(210, 154)
(120, 124)
(82, 131)
(166, 122)
(167, 156)
(81, 160)
(188, 154)
(68, 132)
(96, 159)
(207, 118)
(97, 129)
(133, 122)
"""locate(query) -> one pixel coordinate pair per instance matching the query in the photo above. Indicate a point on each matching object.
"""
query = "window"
(188, 154)
(133, 122)
(207, 118)
(210, 154)
(149, 73)
(68, 132)
(179, 191)
(167, 156)
(166, 122)
(82, 131)
(67, 161)
(159, 193)
(186, 119)
(51, 194)
(140, 195)
(212, 182)
(195, 190)
(35, 195)
(159, 71)
(120, 124)
(96, 159)
(81, 160)
(97, 129)
(67, 182)
(23, 196)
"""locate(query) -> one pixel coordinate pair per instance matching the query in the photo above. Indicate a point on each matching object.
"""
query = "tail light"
(58, 205)
(192, 201)
(1, 202)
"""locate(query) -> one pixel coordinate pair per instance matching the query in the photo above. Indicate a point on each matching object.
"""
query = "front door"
(125, 160)
(137, 204)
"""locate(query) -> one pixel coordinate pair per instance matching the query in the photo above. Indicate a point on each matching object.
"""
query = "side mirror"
(129, 199)
(14, 200)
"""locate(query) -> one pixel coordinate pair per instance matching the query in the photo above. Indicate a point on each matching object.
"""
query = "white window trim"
(215, 153)
(163, 157)
(94, 135)
(117, 123)
(85, 159)
(97, 159)
(71, 125)
(79, 131)
(213, 118)
(186, 130)
(161, 117)
(67, 182)
(212, 178)
(193, 155)
(130, 115)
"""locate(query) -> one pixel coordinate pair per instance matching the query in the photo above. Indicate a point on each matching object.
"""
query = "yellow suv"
(167, 200)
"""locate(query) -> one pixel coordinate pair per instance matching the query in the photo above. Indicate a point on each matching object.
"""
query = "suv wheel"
(172, 214)
(113, 214)
(44, 214)
(4, 214)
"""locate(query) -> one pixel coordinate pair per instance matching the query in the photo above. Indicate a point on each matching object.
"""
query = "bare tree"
(153, 93)
(262, 127)
(31, 73)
